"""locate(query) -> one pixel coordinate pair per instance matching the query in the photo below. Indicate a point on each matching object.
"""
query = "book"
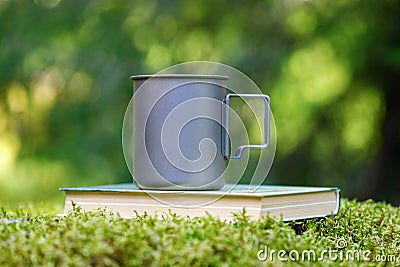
(282, 202)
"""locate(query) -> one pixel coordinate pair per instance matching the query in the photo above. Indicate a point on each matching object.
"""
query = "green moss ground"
(368, 229)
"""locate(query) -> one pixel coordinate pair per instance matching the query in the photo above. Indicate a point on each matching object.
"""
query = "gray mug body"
(177, 132)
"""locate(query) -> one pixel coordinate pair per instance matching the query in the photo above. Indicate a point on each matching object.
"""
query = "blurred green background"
(331, 68)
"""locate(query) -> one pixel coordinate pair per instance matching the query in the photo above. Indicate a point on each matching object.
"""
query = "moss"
(101, 238)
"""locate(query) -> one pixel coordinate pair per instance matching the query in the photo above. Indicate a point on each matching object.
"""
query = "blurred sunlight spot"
(143, 38)
(17, 98)
(313, 76)
(79, 87)
(318, 74)
(158, 57)
(47, 3)
(361, 113)
(197, 46)
(46, 85)
(301, 22)
(292, 115)
(139, 15)
(9, 148)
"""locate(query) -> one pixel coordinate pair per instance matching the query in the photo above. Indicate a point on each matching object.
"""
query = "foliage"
(329, 67)
(104, 239)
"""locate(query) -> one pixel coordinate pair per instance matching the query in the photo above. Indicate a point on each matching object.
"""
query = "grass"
(33, 236)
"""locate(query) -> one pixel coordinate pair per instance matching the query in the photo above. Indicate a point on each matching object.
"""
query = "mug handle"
(225, 119)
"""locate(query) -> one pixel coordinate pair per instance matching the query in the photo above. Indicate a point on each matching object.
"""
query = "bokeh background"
(331, 68)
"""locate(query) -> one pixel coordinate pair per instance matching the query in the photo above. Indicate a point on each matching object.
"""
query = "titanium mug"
(181, 123)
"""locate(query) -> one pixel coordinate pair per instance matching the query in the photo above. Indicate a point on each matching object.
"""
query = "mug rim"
(183, 76)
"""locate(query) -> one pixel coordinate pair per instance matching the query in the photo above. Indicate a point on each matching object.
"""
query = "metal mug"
(181, 123)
